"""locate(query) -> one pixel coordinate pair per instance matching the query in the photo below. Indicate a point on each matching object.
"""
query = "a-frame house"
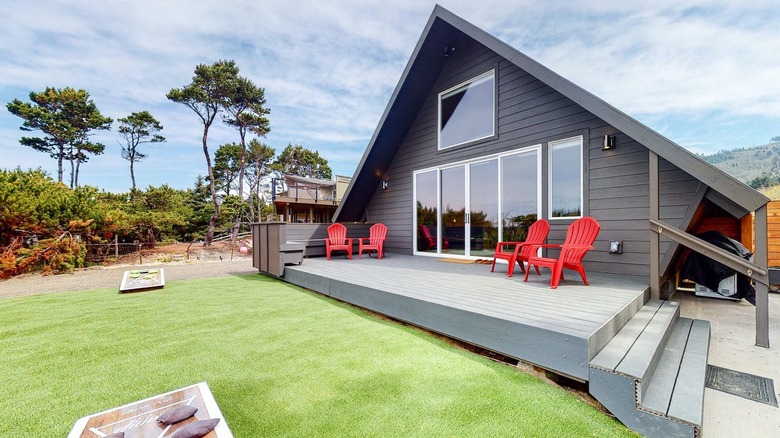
(478, 139)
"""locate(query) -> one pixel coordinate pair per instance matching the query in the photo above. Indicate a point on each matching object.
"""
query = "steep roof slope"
(443, 30)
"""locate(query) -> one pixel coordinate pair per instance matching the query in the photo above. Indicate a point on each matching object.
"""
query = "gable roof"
(442, 30)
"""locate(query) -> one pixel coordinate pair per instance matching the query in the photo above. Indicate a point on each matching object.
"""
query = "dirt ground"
(179, 263)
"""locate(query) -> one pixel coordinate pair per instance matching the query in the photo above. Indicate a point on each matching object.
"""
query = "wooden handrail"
(752, 270)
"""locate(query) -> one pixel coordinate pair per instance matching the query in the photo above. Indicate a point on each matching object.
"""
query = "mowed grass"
(279, 360)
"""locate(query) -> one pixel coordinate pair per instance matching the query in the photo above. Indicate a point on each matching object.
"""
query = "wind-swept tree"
(205, 95)
(244, 108)
(137, 128)
(297, 160)
(66, 117)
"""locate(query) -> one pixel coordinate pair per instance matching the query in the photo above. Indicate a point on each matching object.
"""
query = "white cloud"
(691, 71)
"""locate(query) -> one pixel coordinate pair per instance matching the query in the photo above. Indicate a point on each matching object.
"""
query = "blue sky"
(703, 73)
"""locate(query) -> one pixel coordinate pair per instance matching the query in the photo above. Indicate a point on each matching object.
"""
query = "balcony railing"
(306, 193)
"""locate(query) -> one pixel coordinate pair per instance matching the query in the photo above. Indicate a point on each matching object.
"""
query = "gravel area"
(111, 276)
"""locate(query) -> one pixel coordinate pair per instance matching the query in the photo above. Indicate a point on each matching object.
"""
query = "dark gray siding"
(531, 113)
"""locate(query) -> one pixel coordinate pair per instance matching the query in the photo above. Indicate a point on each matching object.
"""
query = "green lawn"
(280, 361)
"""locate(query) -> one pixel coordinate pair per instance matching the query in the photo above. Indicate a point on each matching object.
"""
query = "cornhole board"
(139, 280)
(139, 419)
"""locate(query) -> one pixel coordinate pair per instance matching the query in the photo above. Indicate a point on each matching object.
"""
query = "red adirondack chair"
(519, 252)
(375, 241)
(579, 240)
(337, 240)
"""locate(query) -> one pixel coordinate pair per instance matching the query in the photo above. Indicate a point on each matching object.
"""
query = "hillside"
(747, 164)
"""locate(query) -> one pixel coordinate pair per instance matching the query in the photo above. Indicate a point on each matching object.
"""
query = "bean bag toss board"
(139, 280)
(140, 419)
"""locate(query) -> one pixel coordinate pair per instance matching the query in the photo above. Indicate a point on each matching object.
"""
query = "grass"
(280, 361)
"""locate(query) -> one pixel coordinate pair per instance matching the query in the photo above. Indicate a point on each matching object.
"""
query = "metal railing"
(748, 268)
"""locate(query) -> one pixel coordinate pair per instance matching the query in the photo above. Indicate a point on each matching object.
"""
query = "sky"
(705, 74)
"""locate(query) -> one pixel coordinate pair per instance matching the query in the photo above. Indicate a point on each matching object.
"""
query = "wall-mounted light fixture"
(384, 184)
(616, 247)
(609, 142)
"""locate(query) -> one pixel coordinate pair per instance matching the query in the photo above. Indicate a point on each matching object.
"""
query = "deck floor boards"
(572, 309)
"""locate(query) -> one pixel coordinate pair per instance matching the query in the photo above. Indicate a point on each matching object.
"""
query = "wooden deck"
(560, 330)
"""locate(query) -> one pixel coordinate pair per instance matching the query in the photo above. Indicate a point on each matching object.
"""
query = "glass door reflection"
(519, 194)
(453, 210)
(483, 208)
(427, 212)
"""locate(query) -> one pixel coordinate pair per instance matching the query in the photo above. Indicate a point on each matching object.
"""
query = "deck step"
(651, 376)
(614, 352)
(659, 392)
(636, 349)
(684, 372)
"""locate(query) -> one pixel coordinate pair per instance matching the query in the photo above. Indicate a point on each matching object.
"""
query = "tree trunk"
(59, 164)
(132, 175)
(212, 186)
(78, 164)
(72, 171)
(252, 198)
(241, 167)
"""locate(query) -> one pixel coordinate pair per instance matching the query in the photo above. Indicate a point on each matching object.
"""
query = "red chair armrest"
(516, 245)
(535, 246)
(588, 247)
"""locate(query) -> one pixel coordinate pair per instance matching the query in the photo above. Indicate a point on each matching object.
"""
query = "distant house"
(478, 140)
(307, 200)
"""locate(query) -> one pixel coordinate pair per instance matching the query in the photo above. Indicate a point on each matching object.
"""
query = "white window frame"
(490, 73)
(550, 164)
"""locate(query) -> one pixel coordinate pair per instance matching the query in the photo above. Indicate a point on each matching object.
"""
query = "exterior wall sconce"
(384, 184)
(609, 142)
(616, 247)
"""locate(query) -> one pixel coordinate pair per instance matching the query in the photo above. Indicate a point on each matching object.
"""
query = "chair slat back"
(337, 234)
(427, 236)
(537, 234)
(582, 232)
(377, 234)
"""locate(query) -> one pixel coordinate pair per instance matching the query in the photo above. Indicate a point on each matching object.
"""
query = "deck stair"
(651, 375)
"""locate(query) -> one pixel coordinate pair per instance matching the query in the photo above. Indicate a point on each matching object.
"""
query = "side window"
(467, 111)
(566, 178)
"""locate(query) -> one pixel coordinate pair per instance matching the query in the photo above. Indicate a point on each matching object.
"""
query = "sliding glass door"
(520, 194)
(426, 211)
(453, 210)
(464, 209)
(483, 208)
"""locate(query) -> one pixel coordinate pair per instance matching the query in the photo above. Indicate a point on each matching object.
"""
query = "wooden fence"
(773, 232)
